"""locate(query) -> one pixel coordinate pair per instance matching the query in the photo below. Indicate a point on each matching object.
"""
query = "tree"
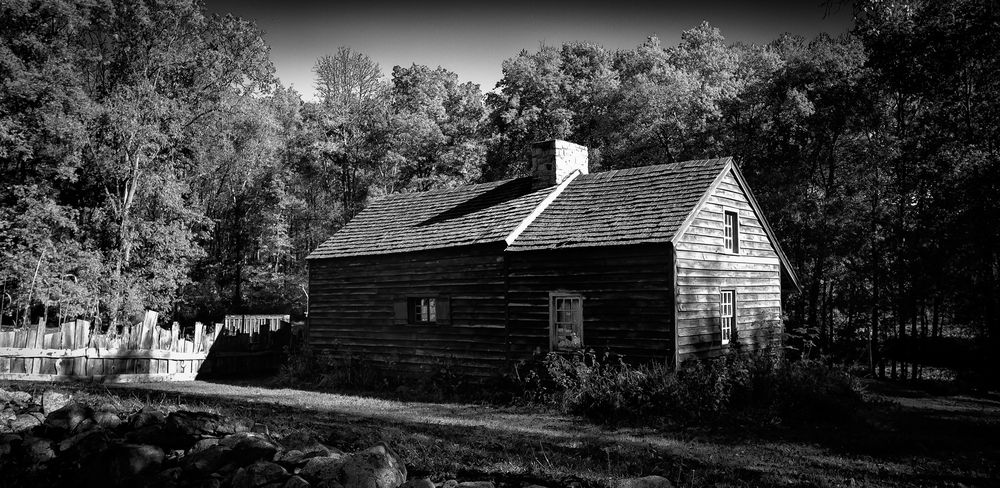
(437, 125)
(126, 89)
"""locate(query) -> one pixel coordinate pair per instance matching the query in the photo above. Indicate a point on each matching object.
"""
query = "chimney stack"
(553, 161)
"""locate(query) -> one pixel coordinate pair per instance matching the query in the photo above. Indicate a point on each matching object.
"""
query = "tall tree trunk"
(916, 344)
(936, 322)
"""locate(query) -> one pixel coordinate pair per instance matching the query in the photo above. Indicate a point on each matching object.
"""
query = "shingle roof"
(474, 214)
(627, 206)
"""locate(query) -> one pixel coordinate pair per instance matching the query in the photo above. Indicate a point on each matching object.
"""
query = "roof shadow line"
(507, 191)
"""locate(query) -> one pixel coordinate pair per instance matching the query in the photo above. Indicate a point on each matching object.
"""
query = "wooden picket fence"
(142, 352)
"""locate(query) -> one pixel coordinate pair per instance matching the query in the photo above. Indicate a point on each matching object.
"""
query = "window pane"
(729, 231)
(727, 314)
(567, 326)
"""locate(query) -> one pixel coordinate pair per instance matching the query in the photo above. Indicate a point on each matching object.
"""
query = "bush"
(302, 367)
(811, 390)
(305, 368)
(605, 389)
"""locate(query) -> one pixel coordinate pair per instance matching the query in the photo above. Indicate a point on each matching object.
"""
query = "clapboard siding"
(351, 310)
(703, 268)
(627, 294)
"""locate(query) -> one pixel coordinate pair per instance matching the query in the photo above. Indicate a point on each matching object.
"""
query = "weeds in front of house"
(762, 386)
(306, 368)
(440, 381)
(605, 389)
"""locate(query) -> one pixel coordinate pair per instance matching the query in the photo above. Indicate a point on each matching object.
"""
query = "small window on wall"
(731, 232)
(566, 321)
(422, 310)
(727, 313)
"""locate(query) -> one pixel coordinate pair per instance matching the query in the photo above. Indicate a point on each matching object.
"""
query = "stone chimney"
(553, 161)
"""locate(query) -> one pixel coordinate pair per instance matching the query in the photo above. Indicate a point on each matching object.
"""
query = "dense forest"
(149, 158)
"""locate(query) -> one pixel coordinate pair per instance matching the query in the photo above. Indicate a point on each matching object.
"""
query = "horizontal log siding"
(704, 268)
(626, 298)
(351, 310)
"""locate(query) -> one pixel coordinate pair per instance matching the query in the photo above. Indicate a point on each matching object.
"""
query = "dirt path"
(917, 440)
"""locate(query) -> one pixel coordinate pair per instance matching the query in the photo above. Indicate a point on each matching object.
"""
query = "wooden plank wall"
(351, 310)
(703, 269)
(627, 297)
(142, 352)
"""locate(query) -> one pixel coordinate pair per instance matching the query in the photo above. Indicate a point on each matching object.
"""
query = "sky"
(473, 39)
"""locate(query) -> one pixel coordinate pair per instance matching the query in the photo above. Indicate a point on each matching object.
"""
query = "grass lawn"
(905, 437)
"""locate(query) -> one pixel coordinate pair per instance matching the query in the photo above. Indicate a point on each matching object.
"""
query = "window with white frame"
(727, 314)
(566, 321)
(731, 232)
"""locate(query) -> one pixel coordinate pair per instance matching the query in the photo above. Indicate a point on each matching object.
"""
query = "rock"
(296, 482)
(450, 484)
(149, 434)
(11, 438)
(7, 414)
(322, 468)
(419, 483)
(206, 461)
(26, 421)
(227, 470)
(375, 467)
(146, 416)
(68, 417)
(54, 400)
(231, 440)
(241, 479)
(19, 397)
(7, 443)
(127, 460)
(37, 450)
(291, 458)
(232, 426)
(329, 484)
(168, 477)
(476, 484)
(194, 424)
(108, 407)
(645, 482)
(107, 420)
(210, 483)
(203, 444)
(259, 474)
(90, 441)
(248, 447)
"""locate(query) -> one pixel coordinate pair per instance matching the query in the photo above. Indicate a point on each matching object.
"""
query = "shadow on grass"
(890, 445)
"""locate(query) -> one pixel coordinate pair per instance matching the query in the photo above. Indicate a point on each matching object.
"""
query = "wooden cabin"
(658, 263)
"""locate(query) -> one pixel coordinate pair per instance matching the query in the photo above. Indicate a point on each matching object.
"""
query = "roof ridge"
(721, 161)
(551, 197)
(443, 191)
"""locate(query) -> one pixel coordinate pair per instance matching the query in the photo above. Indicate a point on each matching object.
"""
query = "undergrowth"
(763, 386)
(353, 373)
